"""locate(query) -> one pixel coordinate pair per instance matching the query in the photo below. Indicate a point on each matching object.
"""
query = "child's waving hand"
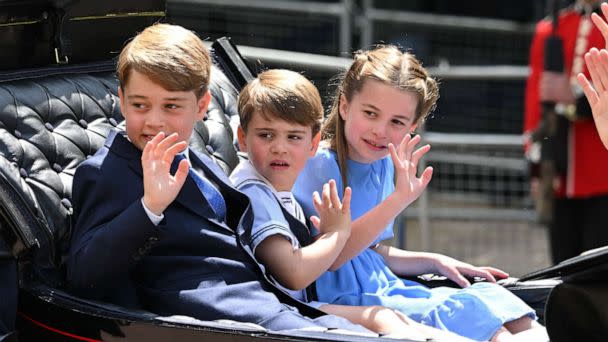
(333, 214)
(160, 187)
(406, 159)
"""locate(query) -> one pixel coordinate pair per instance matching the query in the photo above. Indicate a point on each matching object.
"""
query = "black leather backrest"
(51, 123)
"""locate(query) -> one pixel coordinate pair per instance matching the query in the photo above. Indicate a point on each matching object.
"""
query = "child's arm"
(112, 225)
(296, 269)
(416, 263)
(597, 93)
(408, 188)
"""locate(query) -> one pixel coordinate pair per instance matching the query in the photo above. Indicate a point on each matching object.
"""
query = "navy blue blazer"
(190, 264)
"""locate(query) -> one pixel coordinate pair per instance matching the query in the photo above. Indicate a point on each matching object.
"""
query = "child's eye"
(266, 135)
(171, 106)
(398, 122)
(295, 137)
(370, 114)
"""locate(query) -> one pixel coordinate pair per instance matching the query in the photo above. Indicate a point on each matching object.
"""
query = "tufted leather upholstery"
(50, 121)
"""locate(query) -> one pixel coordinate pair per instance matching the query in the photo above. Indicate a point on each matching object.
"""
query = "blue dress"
(476, 312)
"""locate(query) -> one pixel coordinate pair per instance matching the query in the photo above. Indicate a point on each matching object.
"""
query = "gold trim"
(29, 22)
(121, 15)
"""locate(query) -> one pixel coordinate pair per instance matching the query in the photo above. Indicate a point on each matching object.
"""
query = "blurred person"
(576, 184)
(597, 93)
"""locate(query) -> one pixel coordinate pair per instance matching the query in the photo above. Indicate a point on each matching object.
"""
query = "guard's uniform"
(581, 204)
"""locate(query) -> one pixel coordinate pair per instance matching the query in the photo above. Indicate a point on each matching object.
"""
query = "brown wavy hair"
(170, 55)
(282, 94)
(391, 66)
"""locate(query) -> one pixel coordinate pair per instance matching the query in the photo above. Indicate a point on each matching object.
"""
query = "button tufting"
(66, 203)
(22, 172)
(57, 167)
(113, 121)
(210, 149)
(17, 134)
(48, 126)
(83, 123)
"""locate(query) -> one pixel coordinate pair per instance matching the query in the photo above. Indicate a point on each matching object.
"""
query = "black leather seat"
(51, 120)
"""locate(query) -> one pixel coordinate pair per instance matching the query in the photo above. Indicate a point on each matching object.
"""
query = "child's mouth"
(279, 164)
(374, 146)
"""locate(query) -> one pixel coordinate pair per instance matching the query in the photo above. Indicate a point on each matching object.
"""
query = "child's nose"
(277, 147)
(380, 130)
(155, 118)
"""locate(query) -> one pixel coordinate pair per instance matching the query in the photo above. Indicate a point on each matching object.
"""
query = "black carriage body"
(58, 101)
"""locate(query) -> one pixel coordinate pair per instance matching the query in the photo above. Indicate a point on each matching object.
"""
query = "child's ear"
(202, 105)
(315, 144)
(241, 137)
(121, 98)
(343, 107)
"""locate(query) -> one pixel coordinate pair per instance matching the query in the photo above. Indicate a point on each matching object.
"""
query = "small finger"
(146, 153)
(426, 177)
(174, 149)
(346, 200)
(333, 192)
(181, 173)
(487, 275)
(417, 155)
(315, 221)
(326, 196)
(167, 142)
(478, 272)
(496, 272)
(401, 150)
(604, 8)
(592, 61)
(411, 146)
(601, 24)
(316, 201)
(396, 160)
(457, 277)
(602, 69)
(590, 93)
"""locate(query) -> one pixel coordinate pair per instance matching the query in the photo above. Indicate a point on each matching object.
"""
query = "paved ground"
(516, 247)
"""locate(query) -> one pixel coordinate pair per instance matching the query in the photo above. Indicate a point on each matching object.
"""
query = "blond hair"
(282, 94)
(170, 55)
(386, 64)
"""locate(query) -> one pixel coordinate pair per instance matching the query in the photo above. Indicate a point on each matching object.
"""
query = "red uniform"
(580, 209)
(587, 158)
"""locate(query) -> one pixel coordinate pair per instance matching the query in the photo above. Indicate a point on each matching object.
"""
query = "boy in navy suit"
(157, 225)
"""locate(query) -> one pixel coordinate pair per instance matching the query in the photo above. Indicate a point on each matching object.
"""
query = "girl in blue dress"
(381, 99)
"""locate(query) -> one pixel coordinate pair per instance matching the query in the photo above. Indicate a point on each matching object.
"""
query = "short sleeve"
(268, 216)
(318, 171)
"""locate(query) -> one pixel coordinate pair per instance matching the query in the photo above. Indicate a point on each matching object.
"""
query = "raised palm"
(405, 158)
(597, 90)
(160, 187)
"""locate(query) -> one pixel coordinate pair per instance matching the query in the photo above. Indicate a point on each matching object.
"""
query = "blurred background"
(478, 206)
